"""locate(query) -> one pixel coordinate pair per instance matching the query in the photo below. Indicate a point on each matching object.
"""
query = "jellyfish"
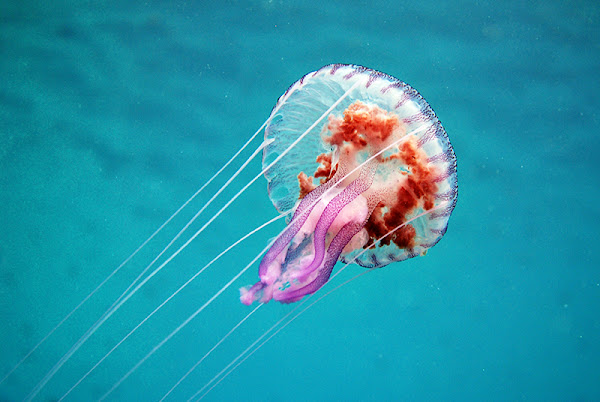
(379, 160)
(357, 163)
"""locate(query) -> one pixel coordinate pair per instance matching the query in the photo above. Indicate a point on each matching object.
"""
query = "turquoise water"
(112, 115)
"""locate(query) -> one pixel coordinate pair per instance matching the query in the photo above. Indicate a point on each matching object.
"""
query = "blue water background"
(113, 113)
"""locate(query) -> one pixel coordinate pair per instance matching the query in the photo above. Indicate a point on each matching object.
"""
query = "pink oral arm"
(338, 243)
(329, 214)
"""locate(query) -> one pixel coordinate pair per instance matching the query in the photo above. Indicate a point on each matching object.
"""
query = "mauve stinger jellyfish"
(379, 163)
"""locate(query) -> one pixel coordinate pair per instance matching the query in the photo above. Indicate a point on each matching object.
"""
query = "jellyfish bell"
(380, 160)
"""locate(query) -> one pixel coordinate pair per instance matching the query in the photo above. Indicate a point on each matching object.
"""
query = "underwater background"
(113, 113)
